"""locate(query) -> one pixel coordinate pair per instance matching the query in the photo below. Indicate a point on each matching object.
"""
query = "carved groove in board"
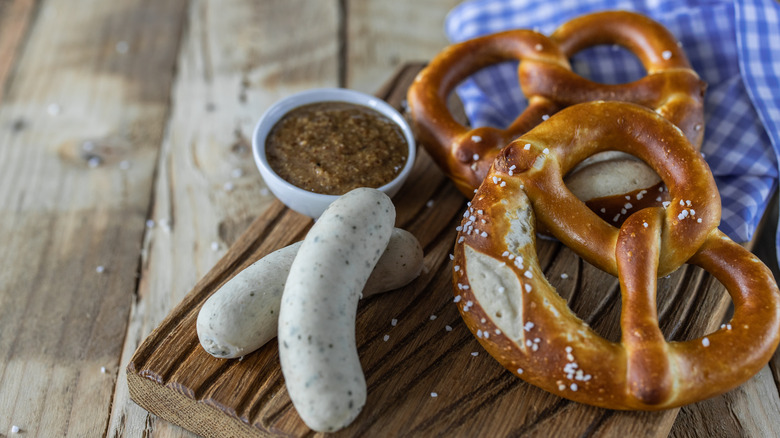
(211, 380)
(165, 366)
(234, 408)
(492, 391)
(602, 308)
(275, 412)
(572, 296)
(244, 404)
(386, 377)
(486, 394)
(256, 409)
(680, 302)
(669, 295)
(442, 238)
(399, 394)
(414, 332)
(434, 257)
(218, 383)
(597, 423)
(543, 415)
(548, 254)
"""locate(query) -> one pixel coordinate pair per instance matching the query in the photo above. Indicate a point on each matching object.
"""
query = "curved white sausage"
(317, 318)
(243, 314)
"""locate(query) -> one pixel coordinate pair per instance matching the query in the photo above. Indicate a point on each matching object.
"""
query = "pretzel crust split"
(671, 88)
(530, 329)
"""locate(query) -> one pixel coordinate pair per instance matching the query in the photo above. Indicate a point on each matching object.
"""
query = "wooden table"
(126, 175)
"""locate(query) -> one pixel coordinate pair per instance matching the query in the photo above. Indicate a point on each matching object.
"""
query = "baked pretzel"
(463, 153)
(534, 334)
(671, 88)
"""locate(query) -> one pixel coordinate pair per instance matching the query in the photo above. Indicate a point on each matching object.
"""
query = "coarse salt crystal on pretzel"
(542, 340)
(671, 88)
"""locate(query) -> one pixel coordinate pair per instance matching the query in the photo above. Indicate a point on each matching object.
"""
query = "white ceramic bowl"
(303, 201)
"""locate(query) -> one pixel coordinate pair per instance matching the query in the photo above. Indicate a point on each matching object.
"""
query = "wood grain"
(247, 397)
(61, 321)
(15, 17)
(208, 190)
(382, 36)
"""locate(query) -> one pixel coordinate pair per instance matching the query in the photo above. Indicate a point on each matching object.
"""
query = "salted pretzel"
(463, 153)
(671, 88)
(525, 325)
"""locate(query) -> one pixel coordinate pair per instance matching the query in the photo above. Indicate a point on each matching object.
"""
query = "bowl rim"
(283, 106)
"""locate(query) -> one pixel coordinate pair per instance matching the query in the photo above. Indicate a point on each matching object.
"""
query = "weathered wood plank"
(15, 18)
(381, 36)
(91, 86)
(237, 58)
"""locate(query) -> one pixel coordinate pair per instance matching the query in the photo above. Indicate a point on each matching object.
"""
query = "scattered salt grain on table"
(122, 47)
(165, 224)
(94, 162)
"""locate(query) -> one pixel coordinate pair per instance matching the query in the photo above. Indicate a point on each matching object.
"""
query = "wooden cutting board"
(428, 350)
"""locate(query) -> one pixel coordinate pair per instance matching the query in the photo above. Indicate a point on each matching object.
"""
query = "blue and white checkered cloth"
(734, 45)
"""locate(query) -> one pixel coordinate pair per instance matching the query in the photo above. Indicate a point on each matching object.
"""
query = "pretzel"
(525, 325)
(671, 88)
(463, 153)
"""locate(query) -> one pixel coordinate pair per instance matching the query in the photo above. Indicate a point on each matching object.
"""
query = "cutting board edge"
(197, 416)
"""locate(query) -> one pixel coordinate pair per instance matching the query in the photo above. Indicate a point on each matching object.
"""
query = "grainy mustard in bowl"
(314, 146)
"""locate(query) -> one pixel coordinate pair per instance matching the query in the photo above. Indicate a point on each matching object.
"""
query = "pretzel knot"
(671, 88)
(503, 290)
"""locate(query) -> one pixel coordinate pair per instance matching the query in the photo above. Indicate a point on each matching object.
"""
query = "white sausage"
(317, 318)
(401, 263)
(243, 314)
